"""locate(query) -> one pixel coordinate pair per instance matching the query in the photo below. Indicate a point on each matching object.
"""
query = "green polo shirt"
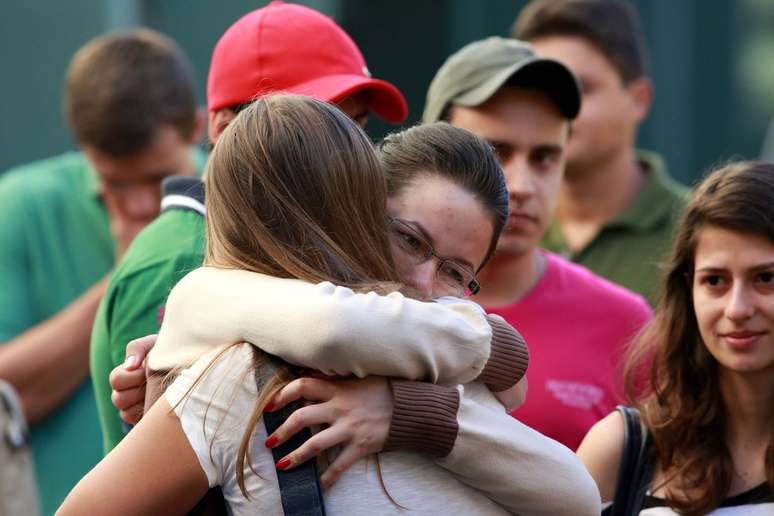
(629, 248)
(164, 252)
(56, 243)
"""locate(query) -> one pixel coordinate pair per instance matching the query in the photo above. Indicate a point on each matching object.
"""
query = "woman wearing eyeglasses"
(220, 301)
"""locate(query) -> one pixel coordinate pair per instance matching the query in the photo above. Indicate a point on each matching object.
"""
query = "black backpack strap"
(187, 193)
(636, 465)
(300, 488)
(182, 193)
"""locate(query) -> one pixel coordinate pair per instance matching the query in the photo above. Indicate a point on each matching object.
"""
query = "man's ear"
(641, 92)
(217, 122)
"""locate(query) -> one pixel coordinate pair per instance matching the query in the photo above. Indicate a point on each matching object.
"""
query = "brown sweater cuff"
(508, 356)
(424, 419)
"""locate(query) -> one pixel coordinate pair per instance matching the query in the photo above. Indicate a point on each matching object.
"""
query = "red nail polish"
(271, 442)
(283, 463)
(269, 407)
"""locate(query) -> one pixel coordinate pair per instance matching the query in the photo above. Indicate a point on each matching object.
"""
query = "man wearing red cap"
(293, 49)
(279, 48)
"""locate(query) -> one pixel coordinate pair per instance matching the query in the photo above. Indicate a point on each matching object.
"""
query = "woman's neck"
(749, 406)
(749, 400)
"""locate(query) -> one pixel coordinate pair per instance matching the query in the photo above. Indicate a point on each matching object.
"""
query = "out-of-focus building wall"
(710, 62)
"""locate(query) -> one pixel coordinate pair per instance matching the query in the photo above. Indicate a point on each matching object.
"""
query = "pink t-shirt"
(577, 326)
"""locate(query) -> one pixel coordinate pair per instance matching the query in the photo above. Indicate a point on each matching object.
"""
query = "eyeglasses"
(457, 277)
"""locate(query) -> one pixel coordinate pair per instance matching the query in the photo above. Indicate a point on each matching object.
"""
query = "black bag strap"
(300, 488)
(636, 465)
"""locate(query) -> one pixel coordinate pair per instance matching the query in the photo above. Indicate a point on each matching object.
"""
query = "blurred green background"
(711, 62)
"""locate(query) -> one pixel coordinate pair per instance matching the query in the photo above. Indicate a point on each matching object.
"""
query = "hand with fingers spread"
(358, 414)
(128, 380)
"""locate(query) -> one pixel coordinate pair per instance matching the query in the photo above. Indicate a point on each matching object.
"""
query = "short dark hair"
(122, 86)
(613, 26)
(442, 150)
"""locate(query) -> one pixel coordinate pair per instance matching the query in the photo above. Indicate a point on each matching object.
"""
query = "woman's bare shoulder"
(601, 452)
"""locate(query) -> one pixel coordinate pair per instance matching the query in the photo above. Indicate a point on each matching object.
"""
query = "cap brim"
(546, 75)
(383, 99)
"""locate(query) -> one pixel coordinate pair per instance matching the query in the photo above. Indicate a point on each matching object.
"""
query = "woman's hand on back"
(358, 414)
(127, 380)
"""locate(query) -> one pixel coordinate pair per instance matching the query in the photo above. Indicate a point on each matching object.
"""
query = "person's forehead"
(513, 114)
(161, 157)
(718, 246)
(578, 53)
(450, 217)
(430, 198)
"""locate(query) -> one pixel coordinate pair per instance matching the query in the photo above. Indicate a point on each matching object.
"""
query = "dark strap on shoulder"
(636, 466)
(183, 193)
(631, 454)
(300, 488)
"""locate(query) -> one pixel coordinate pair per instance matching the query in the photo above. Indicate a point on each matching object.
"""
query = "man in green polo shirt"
(618, 207)
(174, 244)
(133, 304)
(129, 101)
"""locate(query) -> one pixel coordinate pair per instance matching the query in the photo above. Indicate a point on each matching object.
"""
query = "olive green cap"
(470, 77)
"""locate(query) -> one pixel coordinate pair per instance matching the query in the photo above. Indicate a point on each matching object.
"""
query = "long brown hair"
(295, 190)
(682, 405)
(451, 153)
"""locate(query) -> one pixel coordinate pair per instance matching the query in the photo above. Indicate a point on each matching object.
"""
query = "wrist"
(424, 418)
(508, 356)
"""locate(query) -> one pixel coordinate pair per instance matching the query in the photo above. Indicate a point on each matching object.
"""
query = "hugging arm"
(239, 306)
(516, 466)
(152, 471)
(335, 330)
(464, 429)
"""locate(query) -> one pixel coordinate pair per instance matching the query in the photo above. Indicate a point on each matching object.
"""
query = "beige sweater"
(338, 331)
(210, 307)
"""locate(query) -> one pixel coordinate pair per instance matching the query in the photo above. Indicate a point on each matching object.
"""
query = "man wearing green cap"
(576, 322)
(617, 206)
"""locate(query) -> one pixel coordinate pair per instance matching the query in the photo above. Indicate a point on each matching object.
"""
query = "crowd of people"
(506, 309)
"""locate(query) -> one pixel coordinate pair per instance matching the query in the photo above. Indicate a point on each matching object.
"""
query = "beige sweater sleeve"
(446, 342)
(517, 467)
(320, 325)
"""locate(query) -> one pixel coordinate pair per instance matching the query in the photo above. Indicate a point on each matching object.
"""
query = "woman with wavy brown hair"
(707, 405)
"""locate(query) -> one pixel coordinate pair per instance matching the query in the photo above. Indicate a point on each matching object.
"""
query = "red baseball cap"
(294, 49)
